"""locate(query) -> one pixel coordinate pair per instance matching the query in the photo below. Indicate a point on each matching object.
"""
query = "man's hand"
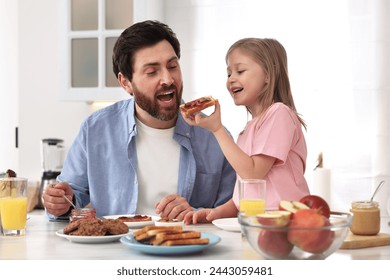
(53, 199)
(173, 206)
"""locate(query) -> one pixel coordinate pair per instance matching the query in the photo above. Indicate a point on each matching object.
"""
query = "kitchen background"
(339, 64)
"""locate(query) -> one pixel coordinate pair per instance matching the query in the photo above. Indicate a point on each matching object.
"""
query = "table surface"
(42, 243)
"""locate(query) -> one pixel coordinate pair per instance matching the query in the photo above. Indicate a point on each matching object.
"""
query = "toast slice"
(164, 236)
(197, 105)
(143, 230)
(145, 235)
(191, 241)
(149, 228)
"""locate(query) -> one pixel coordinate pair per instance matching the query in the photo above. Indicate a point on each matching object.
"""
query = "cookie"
(72, 227)
(89, 227)
(114, 227)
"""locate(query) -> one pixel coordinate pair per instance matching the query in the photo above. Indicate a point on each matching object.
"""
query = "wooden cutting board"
(359, 241)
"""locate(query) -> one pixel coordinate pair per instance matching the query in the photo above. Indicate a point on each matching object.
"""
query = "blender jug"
(52, 152)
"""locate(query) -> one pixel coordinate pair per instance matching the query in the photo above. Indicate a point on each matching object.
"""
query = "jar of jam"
(82, 213)
(366, 218)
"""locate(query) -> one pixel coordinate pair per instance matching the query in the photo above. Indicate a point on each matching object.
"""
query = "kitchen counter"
(41, 243)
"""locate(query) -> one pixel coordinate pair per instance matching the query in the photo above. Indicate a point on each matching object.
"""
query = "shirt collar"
(131, 117)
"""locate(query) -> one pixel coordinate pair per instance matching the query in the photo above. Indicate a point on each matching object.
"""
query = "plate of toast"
(169, 240)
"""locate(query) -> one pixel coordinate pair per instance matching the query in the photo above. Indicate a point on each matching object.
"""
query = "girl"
(272, 145)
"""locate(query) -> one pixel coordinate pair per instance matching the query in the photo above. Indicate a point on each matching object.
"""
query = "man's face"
(157, 81)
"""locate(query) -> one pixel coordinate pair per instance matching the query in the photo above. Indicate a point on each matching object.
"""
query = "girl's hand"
(212, 122)
(200, 216)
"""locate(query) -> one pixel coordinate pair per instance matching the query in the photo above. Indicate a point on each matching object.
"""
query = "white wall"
(41, 114)
(8, 84)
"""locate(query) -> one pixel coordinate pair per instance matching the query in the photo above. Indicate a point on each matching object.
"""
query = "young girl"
(272, 145)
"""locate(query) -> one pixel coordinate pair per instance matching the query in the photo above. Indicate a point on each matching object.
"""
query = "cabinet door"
(89, 29)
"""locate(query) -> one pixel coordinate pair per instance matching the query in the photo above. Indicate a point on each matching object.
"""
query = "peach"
(310, 240)
(274, 243)
(318, 203)
(274, 218)
(291, 206)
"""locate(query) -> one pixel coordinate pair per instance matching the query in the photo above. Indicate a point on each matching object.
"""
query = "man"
(139, 155)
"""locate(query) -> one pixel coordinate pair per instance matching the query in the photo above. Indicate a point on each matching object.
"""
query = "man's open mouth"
(166, 96)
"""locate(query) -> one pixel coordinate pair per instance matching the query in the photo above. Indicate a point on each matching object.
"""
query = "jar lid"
(364, 204)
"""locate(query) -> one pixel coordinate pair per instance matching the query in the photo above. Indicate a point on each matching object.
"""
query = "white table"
(41, 243)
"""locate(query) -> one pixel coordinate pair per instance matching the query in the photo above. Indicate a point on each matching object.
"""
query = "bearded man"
(138, 156)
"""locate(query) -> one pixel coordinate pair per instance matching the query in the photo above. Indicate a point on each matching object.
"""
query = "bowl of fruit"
(304, 229)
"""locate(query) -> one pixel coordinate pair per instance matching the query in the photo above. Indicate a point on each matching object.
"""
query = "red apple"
(310, 240)
(291, 206)
(274, 243)
(318, 203)
(274, 218)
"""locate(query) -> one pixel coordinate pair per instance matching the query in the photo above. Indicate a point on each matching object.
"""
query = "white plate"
(170, 250)
(134, 224)
(169, 224)
(229, 224)
(90, 239)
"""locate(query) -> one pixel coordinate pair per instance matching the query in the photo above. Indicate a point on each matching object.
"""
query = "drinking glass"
(252, 193)
(13, 205)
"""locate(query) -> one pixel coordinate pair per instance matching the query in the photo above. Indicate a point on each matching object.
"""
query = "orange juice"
(252, 207)
(13, 212)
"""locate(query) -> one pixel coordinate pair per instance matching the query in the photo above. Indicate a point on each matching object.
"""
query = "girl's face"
(246, 80)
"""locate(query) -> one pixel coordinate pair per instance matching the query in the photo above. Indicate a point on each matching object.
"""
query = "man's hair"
(138, 36)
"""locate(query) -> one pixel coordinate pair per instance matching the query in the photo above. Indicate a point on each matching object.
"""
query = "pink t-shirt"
(278, 134)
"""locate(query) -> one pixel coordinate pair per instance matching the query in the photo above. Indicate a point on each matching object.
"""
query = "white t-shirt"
(158, 158)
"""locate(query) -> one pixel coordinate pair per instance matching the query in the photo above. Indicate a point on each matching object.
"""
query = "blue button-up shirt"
(101, 163)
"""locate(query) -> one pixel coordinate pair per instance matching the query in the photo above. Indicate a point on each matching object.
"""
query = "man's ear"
(125, 83)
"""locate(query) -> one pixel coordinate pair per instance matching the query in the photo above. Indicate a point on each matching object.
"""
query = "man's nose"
(166, 78)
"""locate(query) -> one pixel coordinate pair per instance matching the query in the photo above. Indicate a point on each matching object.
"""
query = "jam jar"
(82, 213)
(366, 218)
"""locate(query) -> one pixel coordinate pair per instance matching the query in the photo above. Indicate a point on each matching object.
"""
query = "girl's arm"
(249, 167)
(207, 215)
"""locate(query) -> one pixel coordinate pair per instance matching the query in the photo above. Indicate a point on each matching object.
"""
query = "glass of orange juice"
(13, 205)
(252, 194)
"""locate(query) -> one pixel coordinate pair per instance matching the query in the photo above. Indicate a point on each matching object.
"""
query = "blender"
(52, 153)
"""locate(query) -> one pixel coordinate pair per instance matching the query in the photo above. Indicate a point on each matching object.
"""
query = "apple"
(274, 218)
(292, 206)
(318, 203)
(274, 243)
(310, 240)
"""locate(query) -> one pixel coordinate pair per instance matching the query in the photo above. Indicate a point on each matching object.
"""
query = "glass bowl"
(273, 242)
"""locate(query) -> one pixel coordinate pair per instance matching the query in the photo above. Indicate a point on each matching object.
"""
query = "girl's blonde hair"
(272, 57)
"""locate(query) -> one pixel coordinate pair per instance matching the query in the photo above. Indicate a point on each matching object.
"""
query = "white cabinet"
(89, 30)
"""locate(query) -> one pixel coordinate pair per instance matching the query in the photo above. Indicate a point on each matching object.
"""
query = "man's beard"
(153, 108)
